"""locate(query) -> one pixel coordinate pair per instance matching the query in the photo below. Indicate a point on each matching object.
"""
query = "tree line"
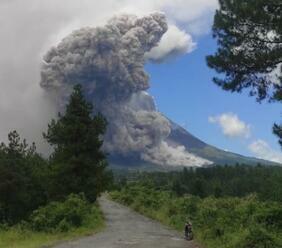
(217, 181)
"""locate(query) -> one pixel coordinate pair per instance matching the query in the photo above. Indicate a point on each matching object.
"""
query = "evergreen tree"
(277, 129)
(78, 164)
(21, 184)
(249, 37)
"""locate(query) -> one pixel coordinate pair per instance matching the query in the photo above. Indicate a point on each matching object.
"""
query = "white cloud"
(174, 42)
(231, 125)
(262, 150)
(196, 15)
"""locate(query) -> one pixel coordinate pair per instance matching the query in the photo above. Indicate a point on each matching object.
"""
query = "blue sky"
(184, 91)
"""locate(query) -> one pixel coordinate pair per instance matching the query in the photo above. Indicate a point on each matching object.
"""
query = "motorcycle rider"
(188, 230)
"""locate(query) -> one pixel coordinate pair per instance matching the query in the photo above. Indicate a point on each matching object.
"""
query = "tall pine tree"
(78, 164)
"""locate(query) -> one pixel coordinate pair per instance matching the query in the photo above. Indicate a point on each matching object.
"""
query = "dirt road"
(127, 229)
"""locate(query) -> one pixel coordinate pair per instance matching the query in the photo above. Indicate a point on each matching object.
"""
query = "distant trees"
(249, 37)
(219, 181)
(78, 163)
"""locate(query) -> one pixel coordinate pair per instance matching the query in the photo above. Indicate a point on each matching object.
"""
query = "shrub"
(61, 216)
(259, 238)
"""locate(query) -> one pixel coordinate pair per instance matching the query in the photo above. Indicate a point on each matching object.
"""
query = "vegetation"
(249, 37)
(24, 235)
(21, 179)
(223, 222)
(222, 215)
(77, 164)
(218, 181)
(61, 216)
(41, 198)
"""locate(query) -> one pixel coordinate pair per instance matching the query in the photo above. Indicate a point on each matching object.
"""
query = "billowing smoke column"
(109, 63)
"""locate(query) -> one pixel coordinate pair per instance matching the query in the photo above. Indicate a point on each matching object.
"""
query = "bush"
(61, 216)
(258, 238)
(4, 227)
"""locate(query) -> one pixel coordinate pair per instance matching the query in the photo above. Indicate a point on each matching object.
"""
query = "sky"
(184, 91)
(181, 82)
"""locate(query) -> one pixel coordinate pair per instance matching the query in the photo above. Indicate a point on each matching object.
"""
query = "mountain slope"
(182, 137)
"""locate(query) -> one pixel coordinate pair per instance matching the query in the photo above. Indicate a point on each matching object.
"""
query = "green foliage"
(21, 179)
(247, 52)
(22, 236)
(258, 237)
(77, 164)
(277, 130)
(216, 181)
(249, 37)
(217, 222)
(61, 216)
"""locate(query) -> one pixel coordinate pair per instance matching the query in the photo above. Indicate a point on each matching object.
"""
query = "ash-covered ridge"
(109, 63)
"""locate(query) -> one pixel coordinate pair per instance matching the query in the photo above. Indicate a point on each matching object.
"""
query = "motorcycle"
(189, 235)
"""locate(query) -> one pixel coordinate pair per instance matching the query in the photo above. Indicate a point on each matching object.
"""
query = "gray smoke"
(109, 62)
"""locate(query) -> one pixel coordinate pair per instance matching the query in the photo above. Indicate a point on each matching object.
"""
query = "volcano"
(180, 136)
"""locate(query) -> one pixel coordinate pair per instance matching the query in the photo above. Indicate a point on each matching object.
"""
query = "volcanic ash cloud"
(109, 63)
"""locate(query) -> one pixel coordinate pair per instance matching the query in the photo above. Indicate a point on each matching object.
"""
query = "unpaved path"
(127, 229)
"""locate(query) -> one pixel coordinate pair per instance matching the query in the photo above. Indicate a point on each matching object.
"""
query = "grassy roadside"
(21, 237)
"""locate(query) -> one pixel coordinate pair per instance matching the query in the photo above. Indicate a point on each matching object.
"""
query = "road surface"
(128, 229)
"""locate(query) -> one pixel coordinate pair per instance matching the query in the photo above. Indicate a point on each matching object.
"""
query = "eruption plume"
(109, 63)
